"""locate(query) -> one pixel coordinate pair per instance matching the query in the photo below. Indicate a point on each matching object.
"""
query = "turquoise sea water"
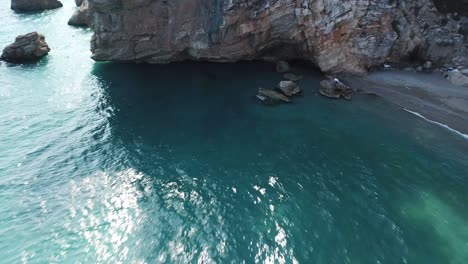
(109, 163)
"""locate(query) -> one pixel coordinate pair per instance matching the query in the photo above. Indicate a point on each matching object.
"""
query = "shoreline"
(427, 95)
(437, 123)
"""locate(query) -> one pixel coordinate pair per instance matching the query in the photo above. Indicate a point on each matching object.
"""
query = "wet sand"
(428, 94)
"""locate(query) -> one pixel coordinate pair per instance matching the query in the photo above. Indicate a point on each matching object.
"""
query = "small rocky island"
(34, 5)
(26, 48)
(80, 17)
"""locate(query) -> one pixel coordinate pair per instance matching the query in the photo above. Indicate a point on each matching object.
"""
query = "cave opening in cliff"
(304, 63)
(416, 56)
(295, 54)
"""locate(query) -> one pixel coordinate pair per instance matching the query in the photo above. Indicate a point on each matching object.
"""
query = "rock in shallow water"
(289, 88)
(26, 48)
(34, 5)
(80, 17)
(335, 89)
(269, 96)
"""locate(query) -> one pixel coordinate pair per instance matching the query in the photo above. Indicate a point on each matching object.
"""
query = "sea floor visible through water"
(124, 163)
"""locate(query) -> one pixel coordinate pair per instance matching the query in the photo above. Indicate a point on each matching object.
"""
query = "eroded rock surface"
(333, 88)
(289, 88)
(337, 35)
(26, 48)
(80, 17)
(269, 96)
(34, 5)
(457, 78)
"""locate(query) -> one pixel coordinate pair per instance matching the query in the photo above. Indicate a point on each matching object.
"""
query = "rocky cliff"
(337, 35)
(80, 17)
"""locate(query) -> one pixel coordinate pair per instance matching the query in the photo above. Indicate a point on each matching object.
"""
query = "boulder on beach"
(282, 67)
(269, 96)
(289, 88)
(34, 5)
(333, 88)
(80, 17)
(26, 48)
(456, 77)
(427, 65)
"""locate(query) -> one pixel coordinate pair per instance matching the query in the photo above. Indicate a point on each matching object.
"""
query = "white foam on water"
(465, 136)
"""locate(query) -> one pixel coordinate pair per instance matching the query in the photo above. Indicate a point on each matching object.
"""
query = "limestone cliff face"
(338, 35)
(80, 17)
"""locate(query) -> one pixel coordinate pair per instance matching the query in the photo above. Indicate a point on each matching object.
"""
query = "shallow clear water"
(106, 163)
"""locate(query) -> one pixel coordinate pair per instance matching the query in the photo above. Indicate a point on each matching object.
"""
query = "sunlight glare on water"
(124, 163)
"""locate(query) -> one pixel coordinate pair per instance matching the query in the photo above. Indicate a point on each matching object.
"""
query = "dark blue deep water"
(116, 163)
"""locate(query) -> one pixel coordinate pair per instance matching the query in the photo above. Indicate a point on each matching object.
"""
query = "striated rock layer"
(337, 35)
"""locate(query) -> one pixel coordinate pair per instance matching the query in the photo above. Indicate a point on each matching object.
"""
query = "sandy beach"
(428, 94)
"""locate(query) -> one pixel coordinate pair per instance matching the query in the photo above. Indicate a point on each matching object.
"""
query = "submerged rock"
(80, 17)
(270, 96)
(293, 77)
(27, 48)
(456, 77)
(34, 5)
(335, 89)
(289, 88)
